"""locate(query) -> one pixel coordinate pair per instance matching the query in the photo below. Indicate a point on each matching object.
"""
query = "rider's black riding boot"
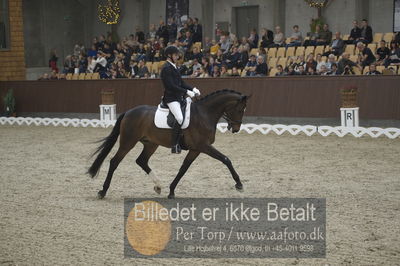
(176, 134)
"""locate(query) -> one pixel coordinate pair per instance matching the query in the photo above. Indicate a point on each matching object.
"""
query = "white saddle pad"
(160, 119)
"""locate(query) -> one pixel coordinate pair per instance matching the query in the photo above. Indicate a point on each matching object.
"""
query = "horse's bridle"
(230, 121)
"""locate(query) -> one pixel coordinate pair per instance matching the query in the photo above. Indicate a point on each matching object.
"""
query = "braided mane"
(219, 92)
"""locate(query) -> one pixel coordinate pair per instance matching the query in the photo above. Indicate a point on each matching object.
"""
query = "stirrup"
(176, 149)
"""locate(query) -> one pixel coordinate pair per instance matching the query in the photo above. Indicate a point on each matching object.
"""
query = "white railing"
(308, 130)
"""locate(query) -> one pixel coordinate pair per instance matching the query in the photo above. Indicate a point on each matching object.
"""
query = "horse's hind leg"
(142, 161)
(114, 162)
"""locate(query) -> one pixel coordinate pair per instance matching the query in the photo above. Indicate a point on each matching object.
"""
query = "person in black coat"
(197, 31)
(267, 38)
(175, 91)
(355, 33)
(366, 33)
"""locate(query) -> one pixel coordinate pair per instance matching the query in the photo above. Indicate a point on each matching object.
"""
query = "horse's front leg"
(214, 153)
(190, 157)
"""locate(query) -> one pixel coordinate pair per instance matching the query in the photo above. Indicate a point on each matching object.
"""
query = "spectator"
(53, 75)
(219, 59)
(367, 55)
(290, 62)
(197, 31)
(82, 64)
(196, 65)
(373, 71)
(279, 38)
(142, 70)
(205, 62)
(382, 53)
(61, 76)
(215, 47)
(394, 56)
(336, 47)
(291, 71)
(296, 38)
(139, 35)
(263, 53)
(314, 36)
(235, 72)
(207, 45)
(196, 54)
(243, 57)
(244, 44)
(320, 63)
(172, 29)
(188, 41)
(215, 73)
(280, 72)
(366, 33)
(253, 39)
(251, 66)
(224, 71)
(331, 62)
(355, 33)
(301, 70)
(53, 60)
(162, 32)
(77, 50)
(333, 71)
(92, 51)
(261, 68)
(267, 38)
(152, 32)
(101, 65)
(203, 73)
(323, 71)
(311, 72)
(45, 76)
(69, 65)
(96, 43)
(311, 63)
(225, 44)
(299, 62)
(91, 65)
(325, 36)
(101, 42)
(233, 58)
(345, 65)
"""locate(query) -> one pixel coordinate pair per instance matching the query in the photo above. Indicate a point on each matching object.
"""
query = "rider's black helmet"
(170, 50)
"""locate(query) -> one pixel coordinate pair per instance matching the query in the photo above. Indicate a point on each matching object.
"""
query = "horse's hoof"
(157, 189)
(101, 194)
(171, 196)
(239, 187)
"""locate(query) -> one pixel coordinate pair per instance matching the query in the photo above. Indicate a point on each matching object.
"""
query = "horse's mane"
(215, 93)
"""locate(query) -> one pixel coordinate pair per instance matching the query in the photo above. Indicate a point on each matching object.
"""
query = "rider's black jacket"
(175, 87)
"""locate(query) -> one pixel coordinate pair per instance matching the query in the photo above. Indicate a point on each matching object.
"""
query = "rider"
(175, 91)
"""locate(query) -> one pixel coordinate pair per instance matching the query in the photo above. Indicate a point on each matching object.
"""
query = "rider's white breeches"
(175, 108)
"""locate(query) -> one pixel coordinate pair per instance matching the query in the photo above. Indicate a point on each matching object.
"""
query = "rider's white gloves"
(196, 91)
(190, 93)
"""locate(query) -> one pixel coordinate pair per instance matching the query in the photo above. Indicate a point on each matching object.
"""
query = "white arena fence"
(308, 130)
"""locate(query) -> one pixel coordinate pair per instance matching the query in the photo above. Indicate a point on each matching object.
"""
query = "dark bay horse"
(137, 125)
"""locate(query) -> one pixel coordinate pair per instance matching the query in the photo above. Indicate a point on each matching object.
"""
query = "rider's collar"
(169, 61)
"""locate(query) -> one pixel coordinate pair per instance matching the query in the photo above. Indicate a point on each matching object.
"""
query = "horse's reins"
(231, 121)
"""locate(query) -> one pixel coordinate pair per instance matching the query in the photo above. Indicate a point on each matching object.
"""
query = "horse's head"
(234, 113)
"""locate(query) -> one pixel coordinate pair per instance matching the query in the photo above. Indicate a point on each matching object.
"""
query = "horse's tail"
(105, 148)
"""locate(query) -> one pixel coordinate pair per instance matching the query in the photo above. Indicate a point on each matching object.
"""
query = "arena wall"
(379, 96)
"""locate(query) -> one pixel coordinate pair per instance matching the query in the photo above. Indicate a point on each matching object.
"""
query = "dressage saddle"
(171, 118)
